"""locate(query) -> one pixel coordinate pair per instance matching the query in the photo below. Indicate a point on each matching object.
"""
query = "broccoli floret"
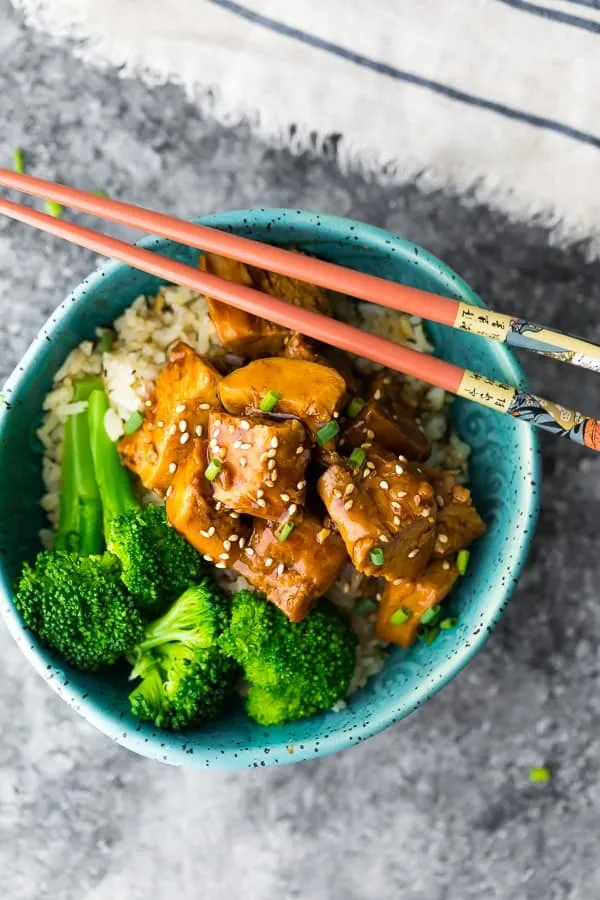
(181, 685)
(157, 563)
(294, 669)
(185, 676)
(80, 607)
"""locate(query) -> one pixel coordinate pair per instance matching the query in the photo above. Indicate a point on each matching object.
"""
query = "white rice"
(142, 337)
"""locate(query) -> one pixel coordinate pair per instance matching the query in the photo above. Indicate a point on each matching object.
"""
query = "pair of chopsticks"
(453, 313)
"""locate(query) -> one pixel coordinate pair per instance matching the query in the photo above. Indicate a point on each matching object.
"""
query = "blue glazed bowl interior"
(504, 479)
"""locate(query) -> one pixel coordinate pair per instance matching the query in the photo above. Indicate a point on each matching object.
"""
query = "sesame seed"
(160, 424)
(439, 500)
(301, 485)
(395, 504)
(249, 551)
(384, 539)
(399, 470)
(271, 465)
(397, 581)
(401, 494)
(377, 395)
(211, 530)
(237, 445)
(246, 446)
(207, 558)
(337, 493)
(268, 482)
(274, 442)
(218, 506)
(280, 569)
(216, 421)
(402, 458)
(386, 380)
(431, 520)
(349, 489)
(443, 538)
(370, 465)
(425, 513)
(204, 406)
(184, 437)
(204, 534)
(445, 565)
(379, 597)
(268, 562)
(365, 474)
(220, 565)
(243, 462)
(413, 553)
(299, 450)
(292, 509)
(148, 403)
(346, 588)
(180, 408)
(198, 430)
(242, 543)
(171, 429)
(260, 493)
(274, 475)
(233, 538)
(384, 486)
(223, 555)
(323, 535)
(215, 433)
(261, 503)
(417, 499)
(234, 515)
(396, 520)
(370, 434)
(271, 454)
(366, 446)
(348, 504)
(336, 415)
(230, 429)
(169, 490)
(226, 546)
(172, 467)
(285, 498)
(245, 425)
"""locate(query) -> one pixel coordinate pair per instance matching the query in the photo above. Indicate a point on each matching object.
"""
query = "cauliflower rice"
(142, 337)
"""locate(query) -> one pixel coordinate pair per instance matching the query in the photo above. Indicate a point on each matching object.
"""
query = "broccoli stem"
(80, 526)
(114, 483)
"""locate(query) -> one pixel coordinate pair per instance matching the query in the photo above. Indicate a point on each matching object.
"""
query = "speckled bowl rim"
(389, 711)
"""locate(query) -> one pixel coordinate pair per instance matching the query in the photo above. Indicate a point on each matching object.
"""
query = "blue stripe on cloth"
(591, 4)
(382, 68)
(546, 13)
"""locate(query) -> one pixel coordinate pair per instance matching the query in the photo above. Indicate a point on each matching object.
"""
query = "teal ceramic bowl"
(505, 481)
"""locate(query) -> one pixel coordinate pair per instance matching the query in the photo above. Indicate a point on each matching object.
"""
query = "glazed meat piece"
(186, 390)
(300, 293)
(459, 523)
(263, 464)
(296, 572)
(387, 421)
(298, 346)
(218, 533)
(386, 515)
(308, 391)
(414, 598)
(239, 331)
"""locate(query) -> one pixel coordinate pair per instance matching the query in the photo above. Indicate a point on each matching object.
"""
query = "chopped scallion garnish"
(400, 616)
(540, 774)
(431, 614)
(134, 422)
(269, 401)
(377, 557)
(357, 458)
(462, 561)
(450, 622)
(53, 208)
(18, 161)
(286, 531)
(107, 342)
(213, 469)
(327, 432)
(354, 407)
(429, 634)
(365, 605)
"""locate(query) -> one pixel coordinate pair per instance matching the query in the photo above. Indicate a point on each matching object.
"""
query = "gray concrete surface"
(439, 806)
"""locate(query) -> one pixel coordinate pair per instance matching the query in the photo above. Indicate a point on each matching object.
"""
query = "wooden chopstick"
(462, 382)
(500, 327)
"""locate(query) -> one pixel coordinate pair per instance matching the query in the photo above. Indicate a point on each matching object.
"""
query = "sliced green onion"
(365, 605)
(134, 422)
(269, 401)
(377, 557)
(107, 342)
(450, 622)
(429, 634)
(18, 161)
(53, 208)
(213, 469)
(286, 531)
(326, 432)
(354, 407)
(357, 458)
(540, 774)
(462, 561)
(430, 615)
(400, 616)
